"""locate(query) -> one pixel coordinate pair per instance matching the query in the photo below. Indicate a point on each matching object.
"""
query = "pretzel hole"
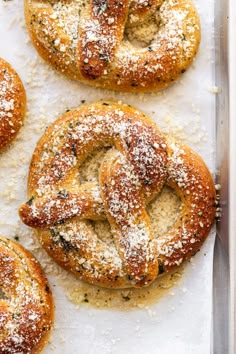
(164, 210)
(89, 170)
(103, 231)
(142, 34)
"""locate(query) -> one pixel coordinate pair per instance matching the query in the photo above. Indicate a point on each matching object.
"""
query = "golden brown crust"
(88, 42)
(12, 103)
(92, 67)
(132, 173)
(26, 303)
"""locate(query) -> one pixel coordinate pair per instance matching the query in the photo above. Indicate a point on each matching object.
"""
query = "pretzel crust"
(26, 307)
(12, 103)
(132, 173)
(86, 41)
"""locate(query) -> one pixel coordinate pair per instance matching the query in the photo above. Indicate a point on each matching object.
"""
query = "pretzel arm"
(192, 182)
(47, 33)
(125, 208)
(54, 209)
(101, 31)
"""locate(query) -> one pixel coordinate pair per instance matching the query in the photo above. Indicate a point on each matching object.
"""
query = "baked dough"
(26, 304)
(12, 103)
(139, 163)
(122, 45)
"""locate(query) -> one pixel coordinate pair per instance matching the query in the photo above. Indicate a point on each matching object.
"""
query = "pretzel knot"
(122, 45)
(134, 170)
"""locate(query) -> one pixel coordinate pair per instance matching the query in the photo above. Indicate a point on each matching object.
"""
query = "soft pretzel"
(12, 103)
(26, 304)
(141, 160)
(122, 45)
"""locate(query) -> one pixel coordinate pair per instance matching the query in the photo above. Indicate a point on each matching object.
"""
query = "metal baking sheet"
(181, 320)
(232, 174)
(223, 326)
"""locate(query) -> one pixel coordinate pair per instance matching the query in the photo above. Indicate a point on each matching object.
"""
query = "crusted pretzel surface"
(26, 303)
(140, 161)
(12, 103)
(123, 45)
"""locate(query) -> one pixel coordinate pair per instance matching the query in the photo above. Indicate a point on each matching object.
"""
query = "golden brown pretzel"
(26, 303)
(132, 173)
(12, 103)
(96, 41)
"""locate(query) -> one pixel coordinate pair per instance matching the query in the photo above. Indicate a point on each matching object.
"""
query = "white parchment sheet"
(180, 322)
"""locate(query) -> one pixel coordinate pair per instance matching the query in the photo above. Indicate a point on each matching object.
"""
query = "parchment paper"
(181, 321)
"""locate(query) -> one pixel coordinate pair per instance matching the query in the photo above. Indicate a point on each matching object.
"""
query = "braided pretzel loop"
(12, 103)
(134, 170)
(122, 45)
(26, 304)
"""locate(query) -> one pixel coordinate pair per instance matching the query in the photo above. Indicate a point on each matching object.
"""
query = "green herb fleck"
(30, 201)
(63, 194)
(47, 289)
(15, 315)
(161, 268)
(126, 298)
